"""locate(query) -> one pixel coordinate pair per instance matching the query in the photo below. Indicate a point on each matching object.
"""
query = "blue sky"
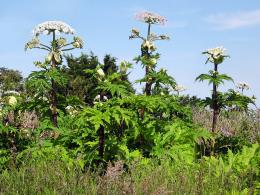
(105, 26)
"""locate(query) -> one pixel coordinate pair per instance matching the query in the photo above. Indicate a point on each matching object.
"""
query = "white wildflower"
(180, 88)
(78, 42)
(12, 101)
(216, 55)
(69, 107)
(97, 97)
(135, 31)
(123, 67)
(148, 45)
(71, 110)
(52, 26)
(243, 86)
(61, 42)
(33, 43)
(151, 18)
(100, 72)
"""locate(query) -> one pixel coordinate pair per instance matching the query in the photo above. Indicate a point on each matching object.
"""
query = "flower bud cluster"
(32, 44)
(148, 45)
(78, 42)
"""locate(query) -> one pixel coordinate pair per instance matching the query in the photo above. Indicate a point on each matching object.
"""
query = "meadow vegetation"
(77, 126)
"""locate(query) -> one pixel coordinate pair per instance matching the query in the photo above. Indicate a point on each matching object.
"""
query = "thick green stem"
(101, 135)
(53, 90)
(148, 85)
(215, 109)
(215, 103)
(149, 31)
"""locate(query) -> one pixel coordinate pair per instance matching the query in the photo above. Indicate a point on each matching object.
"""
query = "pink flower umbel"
(151, 18)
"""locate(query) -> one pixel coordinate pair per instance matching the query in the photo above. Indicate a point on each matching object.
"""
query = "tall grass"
(156, 177)
(232, 123)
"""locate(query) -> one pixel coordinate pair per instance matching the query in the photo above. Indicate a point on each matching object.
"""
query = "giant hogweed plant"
(221, 100)
(148, 57)
(216, 56)
(117, 129)
(47, 80)
(109, 86)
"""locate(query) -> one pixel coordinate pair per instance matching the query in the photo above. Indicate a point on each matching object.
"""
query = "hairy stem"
(215, 103)
(53, 90)
(215, 110)
(148, 85)
(101, 135)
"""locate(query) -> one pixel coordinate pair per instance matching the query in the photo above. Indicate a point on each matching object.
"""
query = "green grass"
(156, 177)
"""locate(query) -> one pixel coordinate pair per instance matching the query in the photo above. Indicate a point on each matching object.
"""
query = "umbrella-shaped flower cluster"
(151, 18)
(216, 55)
(180, 88)
(59, 44)
(54, 57)
(243, 86)
(50, 26)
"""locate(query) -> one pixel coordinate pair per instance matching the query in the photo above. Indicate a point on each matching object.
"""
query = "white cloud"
(226, 21)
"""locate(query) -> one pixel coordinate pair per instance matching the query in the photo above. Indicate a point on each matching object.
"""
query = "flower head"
(61, 42)
(97, 99)
(180, 88)
(71, 110)
(100, 72)
(243, 86)
(124, 66)
(164, 37)
(148, 45)
(216, 55)
(78, 42)
(32, 44)
(52, 26)
(12, 101)
(135, 31)
(153, 37)
(150, 18)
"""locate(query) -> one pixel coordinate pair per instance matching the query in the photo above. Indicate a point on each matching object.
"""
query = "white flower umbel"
(151, 18)
(180, 88)
(54, 57)
(12, 101)
(216, 52)
(243, 86)
(100, 72)
(58, 45)
(216, 55)
(97, 99)
(50, 26)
